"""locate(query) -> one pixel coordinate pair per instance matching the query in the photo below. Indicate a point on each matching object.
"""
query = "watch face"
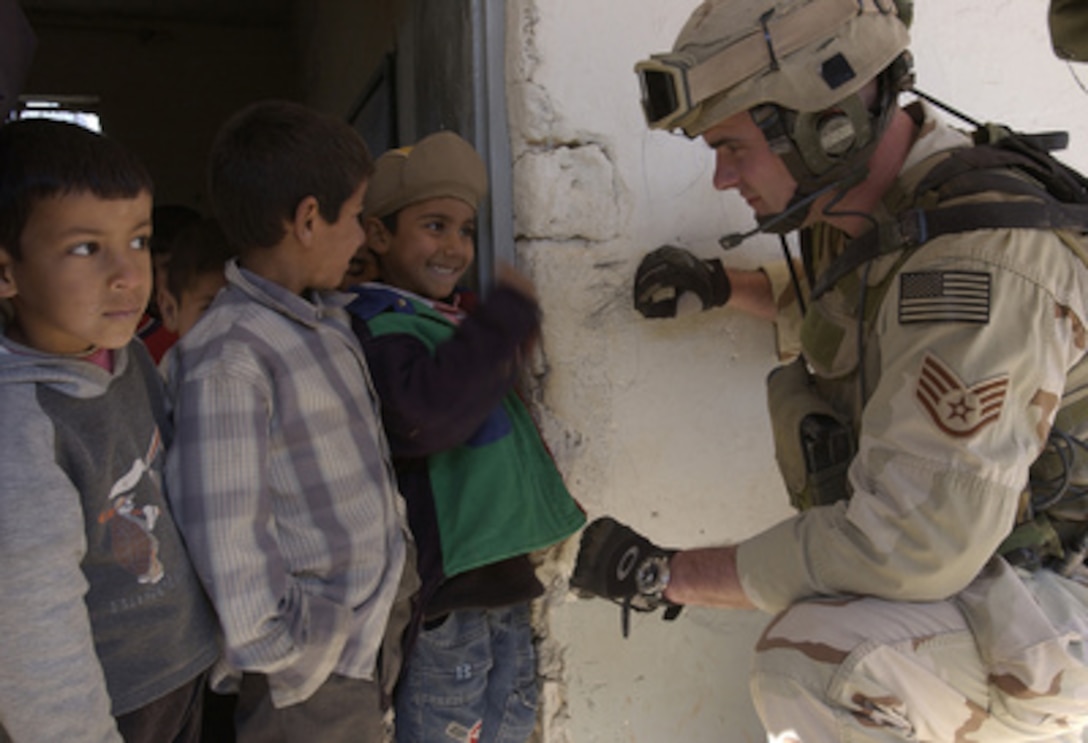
(652, 576)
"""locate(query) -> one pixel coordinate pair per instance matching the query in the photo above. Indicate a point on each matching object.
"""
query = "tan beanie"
(441, 165)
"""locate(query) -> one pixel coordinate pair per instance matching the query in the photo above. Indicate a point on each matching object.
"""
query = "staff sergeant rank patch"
(958, 409)
(944, 296)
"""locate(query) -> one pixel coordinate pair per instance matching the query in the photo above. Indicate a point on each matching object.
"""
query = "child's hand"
(508, 276)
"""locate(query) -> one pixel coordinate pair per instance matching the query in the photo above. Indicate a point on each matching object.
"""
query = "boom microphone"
(733, 239)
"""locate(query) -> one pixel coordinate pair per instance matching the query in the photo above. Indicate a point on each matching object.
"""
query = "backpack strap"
(966, 172)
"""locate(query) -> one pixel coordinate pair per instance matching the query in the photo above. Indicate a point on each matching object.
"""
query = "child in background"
(105, 632)
(190, 279)
(280, 476)
(167, 220)
(194, 275)
(482, 490)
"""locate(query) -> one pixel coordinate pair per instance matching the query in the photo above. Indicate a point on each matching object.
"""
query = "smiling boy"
(105, 632)
(481, 488)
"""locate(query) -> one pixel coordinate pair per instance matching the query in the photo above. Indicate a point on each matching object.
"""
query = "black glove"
(616, 562)
(668, 272)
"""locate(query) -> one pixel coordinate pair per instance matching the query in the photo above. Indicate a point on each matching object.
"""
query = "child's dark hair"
(390, 221)
(167, 222)
(42, 158)
(198, 249)
(271, 155)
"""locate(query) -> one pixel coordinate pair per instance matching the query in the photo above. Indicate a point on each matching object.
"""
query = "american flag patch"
(944, 296)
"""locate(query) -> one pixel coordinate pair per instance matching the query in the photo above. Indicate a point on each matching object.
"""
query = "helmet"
(733, 55)
(799, 67)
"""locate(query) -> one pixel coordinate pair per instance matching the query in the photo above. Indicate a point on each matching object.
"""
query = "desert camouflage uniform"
(972, 341)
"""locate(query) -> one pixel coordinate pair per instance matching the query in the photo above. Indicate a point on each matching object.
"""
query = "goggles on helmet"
(666, 96)
(674, 85)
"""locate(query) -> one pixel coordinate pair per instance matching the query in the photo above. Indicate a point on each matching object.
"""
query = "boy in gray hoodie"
(105, 632)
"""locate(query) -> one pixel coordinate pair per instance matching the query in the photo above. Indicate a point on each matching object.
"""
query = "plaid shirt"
(281, 482)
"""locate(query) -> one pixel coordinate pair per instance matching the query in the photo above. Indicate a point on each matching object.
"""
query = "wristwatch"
(652, 576)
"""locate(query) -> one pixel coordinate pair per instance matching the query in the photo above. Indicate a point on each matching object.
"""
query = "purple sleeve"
(432, 402)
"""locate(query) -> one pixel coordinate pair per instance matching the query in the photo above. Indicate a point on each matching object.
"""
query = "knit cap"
(441, 165)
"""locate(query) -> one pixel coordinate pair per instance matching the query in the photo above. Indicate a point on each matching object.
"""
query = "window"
(82, 110)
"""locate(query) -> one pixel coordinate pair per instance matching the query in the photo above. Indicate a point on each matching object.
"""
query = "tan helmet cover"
(441, 165)
(743, 53)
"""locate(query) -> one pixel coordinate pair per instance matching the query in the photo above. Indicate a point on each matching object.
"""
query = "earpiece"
(824, 139)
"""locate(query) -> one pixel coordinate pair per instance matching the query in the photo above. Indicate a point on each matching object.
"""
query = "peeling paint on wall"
(566, 193)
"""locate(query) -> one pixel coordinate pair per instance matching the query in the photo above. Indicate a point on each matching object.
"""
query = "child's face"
(434, 245)
(338, 242)
(85, 274)
(197, 298)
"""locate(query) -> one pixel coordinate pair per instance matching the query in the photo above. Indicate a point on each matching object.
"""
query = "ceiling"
(227, 12)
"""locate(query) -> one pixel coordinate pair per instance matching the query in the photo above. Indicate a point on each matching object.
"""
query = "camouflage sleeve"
(787, 322)
(976, 337)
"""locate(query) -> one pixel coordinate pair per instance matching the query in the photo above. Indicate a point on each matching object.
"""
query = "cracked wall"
(662, 424)
(566, 193)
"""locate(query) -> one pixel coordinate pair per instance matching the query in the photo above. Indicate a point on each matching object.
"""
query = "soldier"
(942, 341)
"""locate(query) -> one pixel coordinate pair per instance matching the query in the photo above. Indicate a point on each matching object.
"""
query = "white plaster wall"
(662, 423)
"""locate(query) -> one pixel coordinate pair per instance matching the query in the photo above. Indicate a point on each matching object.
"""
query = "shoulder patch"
(959, 410)
(944, 296)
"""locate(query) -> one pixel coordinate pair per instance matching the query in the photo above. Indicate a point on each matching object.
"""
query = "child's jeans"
(471, 678)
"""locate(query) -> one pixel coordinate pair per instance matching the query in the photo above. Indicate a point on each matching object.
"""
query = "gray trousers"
(342, 710)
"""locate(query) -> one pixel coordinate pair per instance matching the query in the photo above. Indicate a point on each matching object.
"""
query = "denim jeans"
(471, 679)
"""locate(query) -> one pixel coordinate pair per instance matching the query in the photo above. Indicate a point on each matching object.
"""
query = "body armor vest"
(816, 401)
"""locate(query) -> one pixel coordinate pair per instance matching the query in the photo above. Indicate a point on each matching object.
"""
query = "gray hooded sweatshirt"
(100, 611)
